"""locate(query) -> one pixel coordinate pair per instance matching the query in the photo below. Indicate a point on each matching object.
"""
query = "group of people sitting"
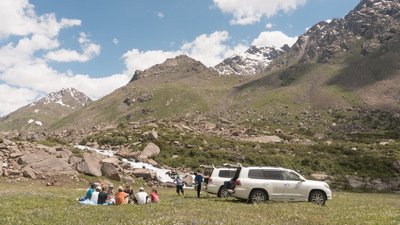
(98, 195)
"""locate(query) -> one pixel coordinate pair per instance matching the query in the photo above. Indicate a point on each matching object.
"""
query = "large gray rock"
(28, 172)
(188, 180)
(149, 150)
(265, 139)
(90, 165)
(144, 173)
(108, 170)
(112, 160)
(46, 164)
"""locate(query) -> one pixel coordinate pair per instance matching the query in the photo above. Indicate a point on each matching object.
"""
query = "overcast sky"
(96, 46)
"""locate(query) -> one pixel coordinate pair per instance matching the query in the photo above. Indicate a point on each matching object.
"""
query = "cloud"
(273, 38)
(160, 15)
(19, 18)
(137, 60)
(209, 49)
(89, 51)
(251, 11)
(25, 75)
(115, 41)
(20, 97)
(268, 25)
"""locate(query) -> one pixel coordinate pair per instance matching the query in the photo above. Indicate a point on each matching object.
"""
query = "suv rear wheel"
(223, 192)
(258, 197)
(318, 198)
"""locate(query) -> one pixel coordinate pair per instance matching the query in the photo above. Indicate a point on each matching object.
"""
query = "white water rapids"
(161, 173)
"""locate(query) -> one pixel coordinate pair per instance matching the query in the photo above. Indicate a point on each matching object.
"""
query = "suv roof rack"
(232, 165)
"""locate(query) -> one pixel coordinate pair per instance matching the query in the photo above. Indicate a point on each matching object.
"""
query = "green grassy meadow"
(32, 202)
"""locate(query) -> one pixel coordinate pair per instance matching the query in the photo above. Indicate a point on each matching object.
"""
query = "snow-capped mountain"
(45, 111)
(68, 97)
(255, 60)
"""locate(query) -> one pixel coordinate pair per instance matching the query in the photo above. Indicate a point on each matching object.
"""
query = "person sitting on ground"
(179, 184)
(110, 194)
(102, 199)
(130, 192)
(141, 197)
(120, 196)
(154, 196)
(95, 195)
(90, 191)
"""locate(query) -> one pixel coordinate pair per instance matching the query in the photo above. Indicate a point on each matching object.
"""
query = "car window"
(227, 173)
(255, 174)
(272, 175)
(265, 174)
(290, 176)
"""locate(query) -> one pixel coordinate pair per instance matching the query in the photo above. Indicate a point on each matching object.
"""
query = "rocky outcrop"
(45, 164)
(374, 184)
(35, 161)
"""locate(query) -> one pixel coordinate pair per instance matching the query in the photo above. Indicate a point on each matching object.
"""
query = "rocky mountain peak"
(254, 60)
(64, 97)
(374, 22)
(179, 64)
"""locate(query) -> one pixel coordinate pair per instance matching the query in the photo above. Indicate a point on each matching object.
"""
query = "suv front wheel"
(258, 197)
(318, 198)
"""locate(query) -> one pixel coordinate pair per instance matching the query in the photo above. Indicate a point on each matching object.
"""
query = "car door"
(273, 183)
(294, 187)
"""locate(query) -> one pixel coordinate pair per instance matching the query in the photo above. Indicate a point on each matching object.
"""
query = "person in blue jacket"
(90, 191)
(198, 179)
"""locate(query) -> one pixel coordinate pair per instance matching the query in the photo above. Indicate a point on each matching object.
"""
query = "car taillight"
(210, 180)
(237, 182)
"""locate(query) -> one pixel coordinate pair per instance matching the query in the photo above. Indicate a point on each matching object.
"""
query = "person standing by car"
(179, 184)
(198, 179)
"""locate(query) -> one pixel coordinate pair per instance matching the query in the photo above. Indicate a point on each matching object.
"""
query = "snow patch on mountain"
(255, 60)
(35, 121)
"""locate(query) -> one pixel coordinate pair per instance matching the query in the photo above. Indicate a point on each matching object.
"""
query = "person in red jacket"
(154, 196)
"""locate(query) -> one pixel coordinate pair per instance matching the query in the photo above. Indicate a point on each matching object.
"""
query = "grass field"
(32, 202)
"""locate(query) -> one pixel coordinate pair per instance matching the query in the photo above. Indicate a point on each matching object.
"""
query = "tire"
(258, 197)
(223, 193)
(318, 197)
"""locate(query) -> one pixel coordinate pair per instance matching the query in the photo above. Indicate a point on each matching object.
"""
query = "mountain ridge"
(42, 113)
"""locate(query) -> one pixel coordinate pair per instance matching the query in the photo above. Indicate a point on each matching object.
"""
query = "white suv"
(215, 183)
(259, 184)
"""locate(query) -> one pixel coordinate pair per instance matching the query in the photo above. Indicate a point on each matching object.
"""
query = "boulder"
(188, 181)
(74, 160)
(90, 166)
(168, 184)
(112, 160)
(108, 170)
(320, 175)
(149, 150)
(152, 162)
(28, 172)
(127, 153)
(46, 164)
(128, 180)
(144, 173)
(265, 139)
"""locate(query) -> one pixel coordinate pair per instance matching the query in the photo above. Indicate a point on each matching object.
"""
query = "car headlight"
(327, 186)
